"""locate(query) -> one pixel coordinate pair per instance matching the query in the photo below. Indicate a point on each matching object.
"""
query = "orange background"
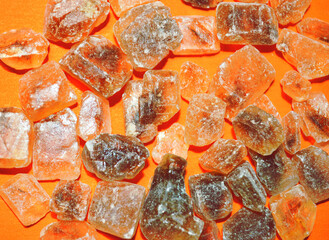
(29, 14)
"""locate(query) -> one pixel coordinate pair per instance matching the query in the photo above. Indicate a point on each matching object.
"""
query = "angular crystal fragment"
(203, 3)
(264, 103)
(324, 146)
(295, 86)
(291, 130)
(122, 6)
(210, 231)
(314, 28)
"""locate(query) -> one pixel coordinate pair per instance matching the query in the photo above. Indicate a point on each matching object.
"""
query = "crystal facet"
(314, 28)
(210, 231)
(264, 103)
(295, 86)
(291, 129)
(203, 3)
(122, 6)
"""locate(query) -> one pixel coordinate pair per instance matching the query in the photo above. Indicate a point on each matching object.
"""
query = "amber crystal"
(170, 141)
(121, 6)
(193, 80)
(310, 57)
(70, 200)
(94, 116)
(71, 21)
(116, 208)
(199, 35)
(291, 130)
(212, 199)
(26, 198)
(223, 156)
(146, 34)
(258, 130)
(203, 3)
(241, 79)
(44, 91)
(313, 168)
(246, 23)
(324, 146)
(294, 213)
(56, 151)
(99, 64)
(264, 103)
(167, 212)
(290, 11)
(16, 138)
(114, 156)
(314, 28)
(23, 48)
(314, 113)
(210, 231)
(253, 1)
(295, 86)
(68, 230)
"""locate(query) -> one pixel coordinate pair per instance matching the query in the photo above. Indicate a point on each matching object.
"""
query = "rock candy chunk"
(203, 3)
(70, 200)
(291, 129)
(258, 130)
(99, 64)
(116, 208)
(264, 103)
(314, 28)
(324, 146)
(246, 23)
(250, 225)
(44, 91)
(290, 11)
(56, 152)
(134, 127)
(193, 80)
(121, 6)
(223, 156)
(314, 113)
(170, 141)
(26, 198)
(23, 48)
(146, 34)
(310, 57)
(245, 185)
(94, 116)
(241, 79)
(68, 230)
(71, 21)
(16, 138)
(114, 156)
(211, 198)
(313, 168)
(276, 172)
(204, 119)
(199, 35)
(210, 231)
(294, 213)
(295, 86)
(167, 212)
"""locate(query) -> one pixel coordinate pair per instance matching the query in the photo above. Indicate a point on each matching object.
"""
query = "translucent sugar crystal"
(146, 34)
(26, 198)
(167, 212)
(314, 28)
(99, 64)
(170, 141)
(264, 103)
(16, 138)
(211, 197)
(204, 119)
(199, 35)
(56, 151)
(291, 130)
(70, 200)
(44, 91)
(68, 230)
(290, 11)
(310, 57)
(203, 3)
(276, 172)
(116, 208)
(210, 231)
(114, 156)
(258, 130)
(295, 86)
(246, 23)
(294, 213)
(324, 146)
(313, 168)
(314, 114)
(223, 156)
(120, 7)
(134, 127)
(71, 21)
(193, 80)
(253, 1)
(245, 185)
(23, 48)
(94, 116)
(241, 79)
(250, 225)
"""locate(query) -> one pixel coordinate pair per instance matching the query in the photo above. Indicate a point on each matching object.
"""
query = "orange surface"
(22, 13)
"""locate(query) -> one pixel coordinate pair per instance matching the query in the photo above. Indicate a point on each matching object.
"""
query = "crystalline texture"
(203, 3)
(121, 6)
(295, 86)
(210, 231)
(314, 28)
(291, 129)
(264, 103)
(253, 1)
(324, 146)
